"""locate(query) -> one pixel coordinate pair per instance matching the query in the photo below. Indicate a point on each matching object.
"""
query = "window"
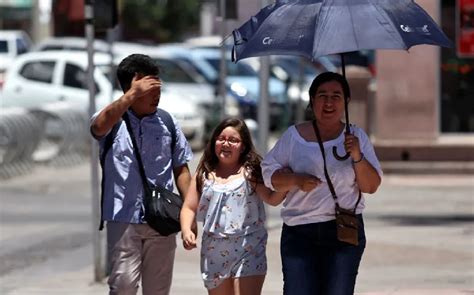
(457, 74)
(40, 71)
(21, 46)
(76, 77)
(3, 46)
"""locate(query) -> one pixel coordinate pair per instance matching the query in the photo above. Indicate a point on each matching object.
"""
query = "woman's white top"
(293, 151)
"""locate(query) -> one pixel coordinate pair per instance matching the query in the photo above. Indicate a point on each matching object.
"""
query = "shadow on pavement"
(427, 220)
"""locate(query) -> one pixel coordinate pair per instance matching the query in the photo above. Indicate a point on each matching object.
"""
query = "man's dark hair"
(132, 64)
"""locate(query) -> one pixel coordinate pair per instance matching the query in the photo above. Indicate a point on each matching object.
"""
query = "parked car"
(12, 44)
(242, 76)
(69, 43)
(39, 78)
(236, 97)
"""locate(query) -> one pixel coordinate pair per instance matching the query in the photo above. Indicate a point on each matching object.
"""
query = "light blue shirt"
(123, 187)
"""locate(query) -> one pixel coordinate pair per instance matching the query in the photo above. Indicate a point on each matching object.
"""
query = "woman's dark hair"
(249, 158)
(327, 77)
(132, 64)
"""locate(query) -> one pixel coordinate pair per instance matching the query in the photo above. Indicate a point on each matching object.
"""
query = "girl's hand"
(189, 239)
(352, 146)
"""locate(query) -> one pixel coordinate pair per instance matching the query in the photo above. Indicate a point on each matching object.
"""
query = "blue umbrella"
(313, 28)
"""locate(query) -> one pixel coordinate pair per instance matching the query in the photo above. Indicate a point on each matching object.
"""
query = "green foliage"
(159, 20)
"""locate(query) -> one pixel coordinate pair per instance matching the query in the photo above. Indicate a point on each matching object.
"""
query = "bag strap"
(326, 174)
(109, 140)
(136, 151)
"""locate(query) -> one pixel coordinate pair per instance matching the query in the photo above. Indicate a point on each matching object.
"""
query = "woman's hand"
(352, 146)
(189, 239)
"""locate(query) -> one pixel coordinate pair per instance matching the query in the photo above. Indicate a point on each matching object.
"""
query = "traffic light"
(105, 14)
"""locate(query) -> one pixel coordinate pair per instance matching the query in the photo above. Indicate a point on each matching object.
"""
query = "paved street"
(420, 237)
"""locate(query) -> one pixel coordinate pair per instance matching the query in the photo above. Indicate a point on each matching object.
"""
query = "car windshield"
(171, 72)
(292, 66)
(233, 69)
(202, 67)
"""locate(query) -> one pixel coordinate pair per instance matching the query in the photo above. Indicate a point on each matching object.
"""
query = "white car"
(38, 78)
(12, 44)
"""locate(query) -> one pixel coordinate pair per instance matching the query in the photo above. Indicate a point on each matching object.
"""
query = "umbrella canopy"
(313, 28)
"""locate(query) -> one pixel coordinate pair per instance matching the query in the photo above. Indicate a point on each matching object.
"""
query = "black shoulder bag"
(162, 207)
(346, 219)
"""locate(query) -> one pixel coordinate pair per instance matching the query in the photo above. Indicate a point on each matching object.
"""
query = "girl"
(226, 195)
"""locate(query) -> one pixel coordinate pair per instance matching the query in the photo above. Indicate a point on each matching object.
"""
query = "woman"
(314, 260)
(226, 195)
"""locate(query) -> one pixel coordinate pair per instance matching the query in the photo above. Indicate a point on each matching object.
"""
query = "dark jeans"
(315, 262)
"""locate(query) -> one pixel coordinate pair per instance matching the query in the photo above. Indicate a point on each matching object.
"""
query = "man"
(135, 249)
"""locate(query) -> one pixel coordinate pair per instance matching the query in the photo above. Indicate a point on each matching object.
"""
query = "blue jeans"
(315, 262)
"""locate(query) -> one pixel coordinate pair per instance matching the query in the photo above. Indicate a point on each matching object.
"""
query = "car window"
(40, 71)
(21, 46)
(3, 46)
(76, 77)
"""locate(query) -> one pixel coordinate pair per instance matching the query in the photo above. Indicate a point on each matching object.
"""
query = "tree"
(159, 21)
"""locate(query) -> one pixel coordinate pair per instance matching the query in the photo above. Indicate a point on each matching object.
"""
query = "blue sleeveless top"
(230, 209)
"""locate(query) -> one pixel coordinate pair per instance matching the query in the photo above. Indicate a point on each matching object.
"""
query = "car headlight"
(239, 89)
(232, 108)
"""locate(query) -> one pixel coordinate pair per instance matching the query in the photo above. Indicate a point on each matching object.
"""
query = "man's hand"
(141, 86)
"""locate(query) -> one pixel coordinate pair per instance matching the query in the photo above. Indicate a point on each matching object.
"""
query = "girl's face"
(328, 102)
(229, 146)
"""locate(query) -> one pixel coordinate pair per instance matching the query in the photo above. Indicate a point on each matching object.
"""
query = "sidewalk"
(420, 232)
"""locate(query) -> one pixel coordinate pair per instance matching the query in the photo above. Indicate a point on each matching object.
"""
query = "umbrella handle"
(339, 158)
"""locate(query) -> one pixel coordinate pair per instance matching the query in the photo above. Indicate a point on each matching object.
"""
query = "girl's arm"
(284, 180)
(188, 216)
(268, 196)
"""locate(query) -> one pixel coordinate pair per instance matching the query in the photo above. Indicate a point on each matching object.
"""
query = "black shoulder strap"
(326, 174)
(109, 140)
(166, 117)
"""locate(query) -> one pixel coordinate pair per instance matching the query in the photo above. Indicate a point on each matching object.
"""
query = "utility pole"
(99, 272)
(223, 65)
(263, 102)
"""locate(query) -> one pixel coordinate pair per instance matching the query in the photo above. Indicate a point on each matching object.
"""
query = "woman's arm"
(367, 177)
(188, 216)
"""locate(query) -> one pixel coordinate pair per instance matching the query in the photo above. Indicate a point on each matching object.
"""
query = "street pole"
(263, 102)
(99, 272)
(300, 109)
(223, 66)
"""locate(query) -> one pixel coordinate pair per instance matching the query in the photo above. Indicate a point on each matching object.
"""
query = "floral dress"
(234, 236)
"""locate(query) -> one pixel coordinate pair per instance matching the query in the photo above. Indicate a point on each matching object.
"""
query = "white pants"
(137, 250)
